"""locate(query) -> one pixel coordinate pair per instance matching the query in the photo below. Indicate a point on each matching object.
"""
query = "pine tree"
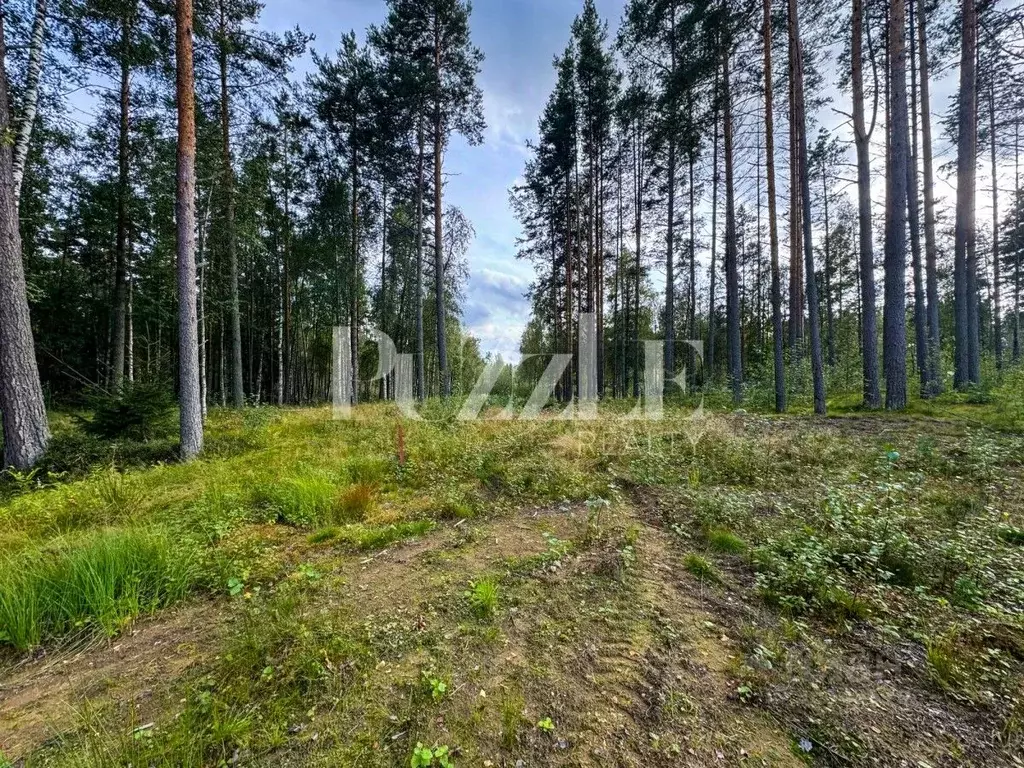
(188, 339)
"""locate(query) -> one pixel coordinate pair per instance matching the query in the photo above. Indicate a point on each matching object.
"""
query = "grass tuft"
(483, 598)
(701, 568)
(96, 583)
(724, 540)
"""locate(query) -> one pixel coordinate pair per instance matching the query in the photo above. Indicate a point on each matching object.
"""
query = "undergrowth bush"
(94, 583)
(138, 411)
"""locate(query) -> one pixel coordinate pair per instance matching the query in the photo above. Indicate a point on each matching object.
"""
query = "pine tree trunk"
(30, 97)
(188, 364)
(25, 429)
(913, 219)
(773, 222)
(710, 365)
(930, 246)
(228, 181)
(862, 139)
(732, 288)
(829, 316)
(120, 299)
(996, 276)
(814, 322)
(796, 291)
(442, 342)
(967, 144)
(894, 331)
(421, 391)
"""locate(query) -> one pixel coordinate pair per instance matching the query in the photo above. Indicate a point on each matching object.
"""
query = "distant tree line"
(302, 205)
(680, 163)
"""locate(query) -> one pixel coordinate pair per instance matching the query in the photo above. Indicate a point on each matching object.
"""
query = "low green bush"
(137, 411)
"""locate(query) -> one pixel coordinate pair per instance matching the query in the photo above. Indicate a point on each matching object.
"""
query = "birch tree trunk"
(28, 117)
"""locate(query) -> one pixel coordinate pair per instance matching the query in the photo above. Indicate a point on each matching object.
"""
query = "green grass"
(701, 568)
(483, 598)
(93, 583)
(910, 524)
(723, 540)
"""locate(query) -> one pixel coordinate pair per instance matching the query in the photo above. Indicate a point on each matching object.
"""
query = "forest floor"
(716, 588)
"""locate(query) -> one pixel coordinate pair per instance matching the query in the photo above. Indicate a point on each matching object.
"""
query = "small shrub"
(138, 411)
(944, 664)
(967, 593)
(324, 535)
(513, 707)
(427, 757)
(435, 686)
(483, 598)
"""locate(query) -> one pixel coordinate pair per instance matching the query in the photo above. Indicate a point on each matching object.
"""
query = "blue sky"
(519, 38)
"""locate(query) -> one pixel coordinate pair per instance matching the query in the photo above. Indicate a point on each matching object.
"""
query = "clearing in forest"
(709, 589)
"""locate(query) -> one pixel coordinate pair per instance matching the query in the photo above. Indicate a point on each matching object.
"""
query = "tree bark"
(913, 219)
(714, 239)
(228, 181)
(862, 139)
(121, 257)
(894, 331)
(191, 426)
(996, 276)
(442, 342)
(25, 429)
(814, 323)
(732, 286)
(930, 246)
(967, 144)
(773, 224)
(421, 391)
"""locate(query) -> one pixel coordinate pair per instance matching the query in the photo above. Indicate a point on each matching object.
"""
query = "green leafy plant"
(546, 724)
(437, 687)
(427, 757)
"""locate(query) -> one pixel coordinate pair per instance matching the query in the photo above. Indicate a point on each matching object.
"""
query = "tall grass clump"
(303, 500)
(95, 583)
